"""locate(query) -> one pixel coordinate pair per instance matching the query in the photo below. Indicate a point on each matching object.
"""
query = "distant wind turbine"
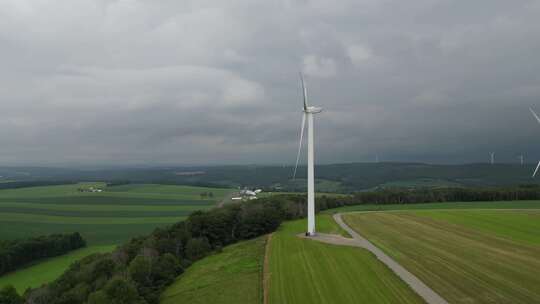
(521, 159)
(492, 154)
(308, 114)
(537, 119)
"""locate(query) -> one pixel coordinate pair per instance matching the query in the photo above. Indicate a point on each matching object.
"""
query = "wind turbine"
(308, 115)
(537, 119)
(521, 159)
(492, 154)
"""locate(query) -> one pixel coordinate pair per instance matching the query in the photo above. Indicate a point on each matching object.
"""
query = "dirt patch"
(266, 269)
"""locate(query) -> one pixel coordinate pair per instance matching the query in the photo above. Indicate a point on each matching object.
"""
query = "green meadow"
(109, 217)
(104, 219)
(306, 271)
(467, 256)
(231, 276)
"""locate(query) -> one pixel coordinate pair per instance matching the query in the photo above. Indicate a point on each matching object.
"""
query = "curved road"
(428, 294)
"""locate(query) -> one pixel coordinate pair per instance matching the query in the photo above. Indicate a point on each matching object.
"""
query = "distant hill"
(330, 178)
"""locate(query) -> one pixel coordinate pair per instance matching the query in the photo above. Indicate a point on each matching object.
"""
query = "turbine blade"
(304, 91)
(534, 114)
(300, 144)
(536, 170)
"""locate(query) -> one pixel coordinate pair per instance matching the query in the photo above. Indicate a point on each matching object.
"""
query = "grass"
(306, 271)
(109, 217)
(47, 270)
(467, 256)
(438, 206)
(232, 276)
(515, 225)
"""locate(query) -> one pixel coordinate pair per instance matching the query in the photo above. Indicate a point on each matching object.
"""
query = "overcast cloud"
(216, 82)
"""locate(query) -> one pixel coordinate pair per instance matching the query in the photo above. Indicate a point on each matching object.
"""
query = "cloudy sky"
(216, 82)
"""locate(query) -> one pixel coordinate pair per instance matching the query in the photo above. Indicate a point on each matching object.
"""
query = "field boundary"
(266, 270)
(428, 294)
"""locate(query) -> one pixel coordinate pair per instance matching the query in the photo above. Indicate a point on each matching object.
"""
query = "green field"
(108, 217)
(306, 271)
(467, 256)
(439, 206)
(103, 219)
(232, 276)
(47, 270)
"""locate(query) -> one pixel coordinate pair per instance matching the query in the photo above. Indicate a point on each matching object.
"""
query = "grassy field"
(467, 256)
(103, 219)
(439, 206)
(47, 270)
(305, 271)
(232, 276)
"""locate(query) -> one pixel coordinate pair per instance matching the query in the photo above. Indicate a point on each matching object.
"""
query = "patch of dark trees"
(118, 183)
(26, 184)
(15, 254)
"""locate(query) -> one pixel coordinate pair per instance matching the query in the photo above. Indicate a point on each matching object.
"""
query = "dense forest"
(17, 253)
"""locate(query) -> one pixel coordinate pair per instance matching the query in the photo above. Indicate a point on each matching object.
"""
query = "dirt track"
(430, 296)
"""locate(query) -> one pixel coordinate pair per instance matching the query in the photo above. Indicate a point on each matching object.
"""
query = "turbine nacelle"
(313, 110)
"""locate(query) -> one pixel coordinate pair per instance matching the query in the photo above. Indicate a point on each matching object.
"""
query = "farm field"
(343, 274)
(104, 219)
(439, 206)
(467, 256)
(232, 276)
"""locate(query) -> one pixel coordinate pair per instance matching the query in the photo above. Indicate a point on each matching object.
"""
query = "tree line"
(17, 253)
(432, 195)
(27, 184)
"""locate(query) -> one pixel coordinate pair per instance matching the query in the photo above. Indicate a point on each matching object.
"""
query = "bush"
(9, 295)
(17, 253)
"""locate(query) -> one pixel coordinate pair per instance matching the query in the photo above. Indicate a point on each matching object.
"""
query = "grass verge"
(232, 276)
(305, 271)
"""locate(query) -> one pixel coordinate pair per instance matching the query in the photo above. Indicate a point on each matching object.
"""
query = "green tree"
(9, 295)
(196, 248)
(122, 291)
(117, 291)
(140, 270)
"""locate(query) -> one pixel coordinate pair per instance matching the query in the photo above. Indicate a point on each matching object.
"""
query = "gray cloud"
(209, 82)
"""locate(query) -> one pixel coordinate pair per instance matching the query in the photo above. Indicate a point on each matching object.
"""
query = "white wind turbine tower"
(492, 154)
(537, 119)
(308, 114)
